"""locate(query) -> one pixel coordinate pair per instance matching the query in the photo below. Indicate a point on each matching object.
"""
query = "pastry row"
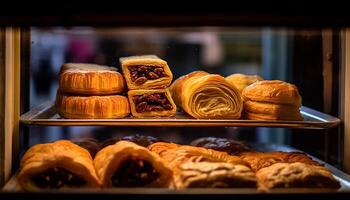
(93, 91)
(64, 164)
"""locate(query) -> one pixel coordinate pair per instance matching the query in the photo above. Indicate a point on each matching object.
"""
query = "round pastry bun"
(92, 107)
(81, 78)
(241, 81)
(273, 91)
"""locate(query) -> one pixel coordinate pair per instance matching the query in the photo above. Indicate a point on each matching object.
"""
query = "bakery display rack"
(45, 115)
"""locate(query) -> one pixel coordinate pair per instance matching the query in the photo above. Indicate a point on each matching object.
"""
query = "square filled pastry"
(146, 72)
(151, 103)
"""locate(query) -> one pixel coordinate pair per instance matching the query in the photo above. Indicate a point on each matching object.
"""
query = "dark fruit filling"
(57, 178)
(140, 74)
(134, 173)
(151, 102)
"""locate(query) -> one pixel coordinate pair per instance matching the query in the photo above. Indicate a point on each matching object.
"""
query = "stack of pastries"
(147, 78)
(272, 100)
(64, 164)
(89, 91)
(207, 96)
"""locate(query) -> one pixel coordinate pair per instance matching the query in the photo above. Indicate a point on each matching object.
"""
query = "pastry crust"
(271, 109)
(207, 96)
(295, 175)
(63, 154)
(92, 107)
(149, 61)
(92, 79)
(241, 81)
(108, 160)
(273, 91)
(171, 111)
(232, 147)
(259, 160)
(214, 175)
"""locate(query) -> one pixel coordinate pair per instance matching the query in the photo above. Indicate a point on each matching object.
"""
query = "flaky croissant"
(207, 96)
(60, 164)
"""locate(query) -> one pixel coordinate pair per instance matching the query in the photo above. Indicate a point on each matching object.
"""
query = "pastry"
(241, 81)
(273, 91)
(295, 175)
(259, 160)
(207, 96)
(92, 107)
(90, 144)
(214, 175)
(60, 164)
(126, 164)
(141, 140)
(178, 154)
(232, 147)
(272, 100)
(151, 103)
(146, 72)
(92, 79)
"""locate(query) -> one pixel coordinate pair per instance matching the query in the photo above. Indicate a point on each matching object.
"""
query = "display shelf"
(46, 115)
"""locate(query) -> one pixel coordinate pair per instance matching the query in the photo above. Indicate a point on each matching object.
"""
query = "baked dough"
(214, 175)
(232, 147)
(92, 107)
(59, 164)
(151, 103)
(295, 175)
(259, 160)
(92, 79)
(241, 81)
(273, 91)
(207, 96)
(146, 72)
(126, 164)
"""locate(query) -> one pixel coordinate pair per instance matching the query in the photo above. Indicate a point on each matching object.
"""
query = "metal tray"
(46, 115)
(344, 179)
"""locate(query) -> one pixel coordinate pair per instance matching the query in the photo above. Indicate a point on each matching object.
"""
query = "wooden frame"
(346, 99)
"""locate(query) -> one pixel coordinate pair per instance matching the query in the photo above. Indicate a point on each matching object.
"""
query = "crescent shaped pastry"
(151, 103)
(295, 175)
(273, 91)
(92, 107)
(92, 79)
(259, 160)
(146, 72)
(61, 164)
(207, 96)
(126, 164)
(241, 81)
(214, 175)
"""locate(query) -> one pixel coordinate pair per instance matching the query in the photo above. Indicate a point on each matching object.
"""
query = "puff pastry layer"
(146, 72)
(241, 81)
(214, 175)
(151, 103)
(126, 164)
(295, 175)
(60, 164)
(92, 107)
(82, 78)
(207, 96)
(273, 91)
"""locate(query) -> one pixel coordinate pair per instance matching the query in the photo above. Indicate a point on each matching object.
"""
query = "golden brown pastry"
(178, 154)
(241, 81)
(295, 175)
(273, 91)
(271, 109)
(126, 164)
(259, 160)
(214, 175)
(82, 78)
(207, 96)
(61, 164)
(92, 107)
(151, 103)
(146, 72)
